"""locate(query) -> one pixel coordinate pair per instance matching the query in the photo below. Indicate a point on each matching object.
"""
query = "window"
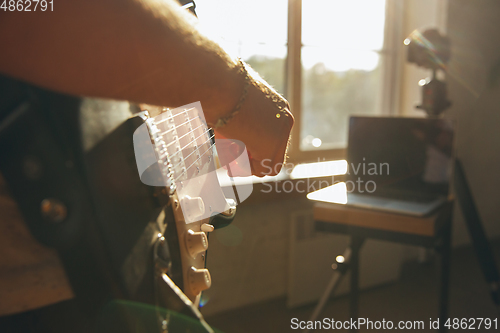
(325, 56)
(341, 54)
(255, 31)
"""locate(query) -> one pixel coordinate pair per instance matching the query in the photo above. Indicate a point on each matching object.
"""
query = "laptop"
(401, 165)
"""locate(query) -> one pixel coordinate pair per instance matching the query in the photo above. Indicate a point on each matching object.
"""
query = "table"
(432, 231)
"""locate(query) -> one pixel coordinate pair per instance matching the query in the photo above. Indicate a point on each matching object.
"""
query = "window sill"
(304, 178)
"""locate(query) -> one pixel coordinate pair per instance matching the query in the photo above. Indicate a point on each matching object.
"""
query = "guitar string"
(197, 149)
(192, 164)
(190, 144)
(190, 132)
(177, 126)
(172, 116)
(194, 150)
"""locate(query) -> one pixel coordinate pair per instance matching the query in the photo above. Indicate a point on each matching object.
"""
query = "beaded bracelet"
(224, 120)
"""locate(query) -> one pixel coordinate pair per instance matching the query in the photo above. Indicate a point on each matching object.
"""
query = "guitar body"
(118, 238)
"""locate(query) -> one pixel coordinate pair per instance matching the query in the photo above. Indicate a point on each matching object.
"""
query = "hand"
(262, 127)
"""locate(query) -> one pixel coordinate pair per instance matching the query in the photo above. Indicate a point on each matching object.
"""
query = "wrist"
(263, 124)
(252, 78)
(223, 120)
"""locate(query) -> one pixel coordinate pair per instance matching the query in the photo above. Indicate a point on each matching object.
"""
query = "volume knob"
(199, 279)
(192, 208)
(196, 242)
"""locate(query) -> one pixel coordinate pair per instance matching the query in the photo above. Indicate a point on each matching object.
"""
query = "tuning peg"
(196, 242)
(199, 279)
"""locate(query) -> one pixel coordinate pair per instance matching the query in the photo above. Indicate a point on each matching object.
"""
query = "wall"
(473, 27)
(248, 259)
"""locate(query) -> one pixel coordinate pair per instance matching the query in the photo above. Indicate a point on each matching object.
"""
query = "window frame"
(391, 66)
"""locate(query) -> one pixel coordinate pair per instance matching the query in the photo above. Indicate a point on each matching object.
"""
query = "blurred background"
(332, 59)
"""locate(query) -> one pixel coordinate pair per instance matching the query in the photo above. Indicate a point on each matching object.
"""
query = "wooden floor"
(414, 297)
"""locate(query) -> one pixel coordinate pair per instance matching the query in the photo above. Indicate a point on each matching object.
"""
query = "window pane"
(270, 67)
(329, 97)
(341, 67)
(255, 31)
(261, 21)
(346, 24)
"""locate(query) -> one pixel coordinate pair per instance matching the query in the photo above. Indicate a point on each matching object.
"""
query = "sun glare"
(340, 34)
(246, 28)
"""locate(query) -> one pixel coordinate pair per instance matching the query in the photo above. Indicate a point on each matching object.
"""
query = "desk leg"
(356, 244)
(445, 254)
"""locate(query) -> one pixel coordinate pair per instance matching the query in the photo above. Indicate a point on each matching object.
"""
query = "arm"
(147, 51)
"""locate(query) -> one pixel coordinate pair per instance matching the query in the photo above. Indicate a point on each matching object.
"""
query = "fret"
(185, 133)
(176, 126)
(185, 149)
(191, 166)
(163, 119)
(196, 148)
(191, 141)
(171, 135)
(182, 142)
(161, 150)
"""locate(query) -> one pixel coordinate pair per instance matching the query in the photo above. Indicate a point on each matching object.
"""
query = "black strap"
(39, 164)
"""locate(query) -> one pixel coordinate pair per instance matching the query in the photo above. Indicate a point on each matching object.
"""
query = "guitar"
(176, 150)
(125, 229)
